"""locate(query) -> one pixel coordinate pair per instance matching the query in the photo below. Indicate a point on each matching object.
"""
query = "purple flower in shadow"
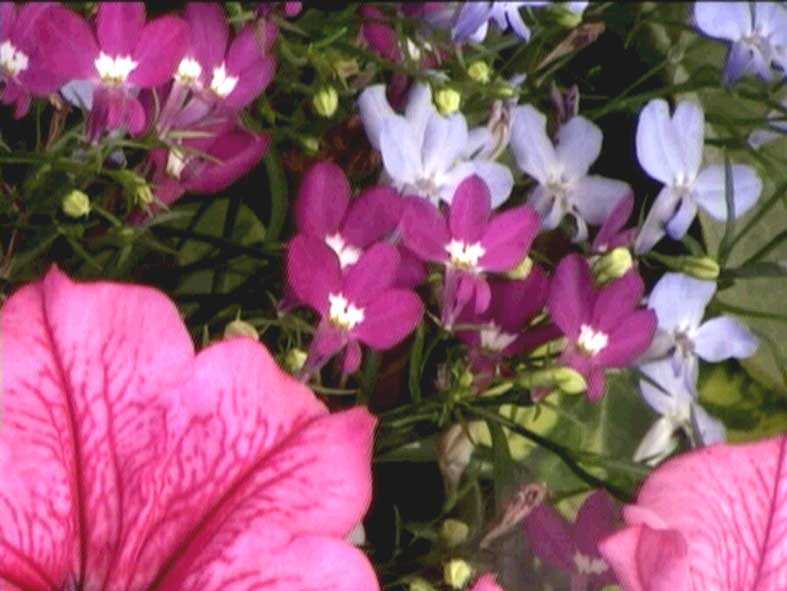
(23, 72)
(358, 306)
(505, 323)
(205, 165)
(573, 547)
(470, 243)
(604, 327)
(216, 76)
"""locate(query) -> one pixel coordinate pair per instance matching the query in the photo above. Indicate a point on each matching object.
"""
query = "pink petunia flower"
(470, 243)
(23, 72)
(573, 547)
(505, 332)
(713, 518)
(604, 327)
(486, 582)
(109, 68)
(130, 462)
(205, 165)
(358, 306)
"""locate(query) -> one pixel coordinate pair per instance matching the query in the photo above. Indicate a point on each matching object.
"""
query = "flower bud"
(294, 360)
(612, 265)
(326, 101)
(311, 144)
(419, 584)
(457, 573)
(522, 270)
(699, 267)
(447, 100)
(76, 204)
(568, 18)
(346, 67)
(566, 379)
(241, 328)
(144, 194)
(454, 532)
(454, 450)
(480, 72)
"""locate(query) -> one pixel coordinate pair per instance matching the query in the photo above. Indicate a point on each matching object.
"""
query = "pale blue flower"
(670, 150)
(682, 338)
(427, 154)
(561, 169)
(674, 397)
(757, 32)
(472, 19)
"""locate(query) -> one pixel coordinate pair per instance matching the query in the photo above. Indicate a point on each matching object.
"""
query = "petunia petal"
(322, 200)
(313, 271)
(727, 503)
(710, 189)
(389, 319)
(724, 337)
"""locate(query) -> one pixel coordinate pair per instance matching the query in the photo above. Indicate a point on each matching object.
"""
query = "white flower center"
(114, 70)
(342, 313)
(176, 162)
(494, 339)
(464, 255)
(348, 255)
(587, 565)
(222, 84)
(12, 60)
(591, 341)
(189, 71)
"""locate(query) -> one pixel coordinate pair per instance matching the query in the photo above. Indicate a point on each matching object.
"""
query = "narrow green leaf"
(277, 183)
(416, 358)
(729, 228)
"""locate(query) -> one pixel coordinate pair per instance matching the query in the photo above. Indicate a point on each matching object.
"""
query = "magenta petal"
(515, 301)
(374, 273)
(424, 230)
(209, 34)
(597, 383)
(609, 234)
(629, 340)
(351, 360)
(470, 209)
(251, 82)
(237, 151)
(615, 300)
(7, 19)
(161, 46)
(67, 45)
(595, 520)
(328, 340)
(533, 338)
(251, 45)
(372, 216)
(507, 238)
(486, 582)
(412, 271)
(571, 294)
(118, 26)
(322, 200)
(313, 271)
(550, 537)
(389, 319)
(114, 108)
(380, 37)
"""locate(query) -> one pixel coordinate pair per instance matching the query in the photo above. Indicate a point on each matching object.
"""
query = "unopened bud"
(76, 204)
(480, 72)
(454, 450)
(699, 267)
(326, 101)
(504, 90)
(346, 67)
(566, 379)
(457, 573)
(419, 584)
(144, 194)
(311, 144)
(612, 265)
(241, 328)
(294, 360)
(454, 532)
(568, 18)
(447, 100)
(522, 270)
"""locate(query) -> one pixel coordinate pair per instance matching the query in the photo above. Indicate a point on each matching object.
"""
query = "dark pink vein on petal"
(773, 508)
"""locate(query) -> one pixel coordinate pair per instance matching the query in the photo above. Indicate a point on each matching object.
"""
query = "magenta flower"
(23, 72)
(214, 74)
(604, 327)
(486, 582)
(469, 244)
(713, 518)
(129, 462)
(505, 332)
(205, 165)
(573, 547)
(109, 68)
(611, 233)
(358, 306)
